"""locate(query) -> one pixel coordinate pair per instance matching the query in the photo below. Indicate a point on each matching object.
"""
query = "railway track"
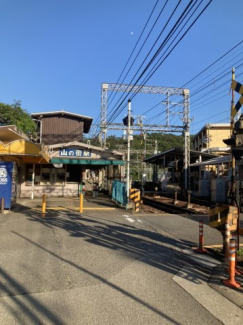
(183, 198)
(170, 207)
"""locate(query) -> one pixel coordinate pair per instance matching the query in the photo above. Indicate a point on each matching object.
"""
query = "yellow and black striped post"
(238, 87)
(135, 197)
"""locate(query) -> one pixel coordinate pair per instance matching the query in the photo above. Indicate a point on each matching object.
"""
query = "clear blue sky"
(55, 54)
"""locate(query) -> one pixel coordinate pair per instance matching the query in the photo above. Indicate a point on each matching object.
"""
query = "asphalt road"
(104, 267)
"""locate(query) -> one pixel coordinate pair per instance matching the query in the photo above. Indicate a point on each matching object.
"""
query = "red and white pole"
(235, 237)
(201, 239)
(226, 241)
(230, 282)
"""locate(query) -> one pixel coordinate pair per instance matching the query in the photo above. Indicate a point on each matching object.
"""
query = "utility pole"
(128, 151)
(233, 183)
(186, 122)
(156, 147)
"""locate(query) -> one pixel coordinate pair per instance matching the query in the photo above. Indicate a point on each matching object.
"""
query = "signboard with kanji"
(66, 152)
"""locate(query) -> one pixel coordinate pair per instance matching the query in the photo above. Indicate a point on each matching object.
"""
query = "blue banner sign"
(6, 170)
(74, 152)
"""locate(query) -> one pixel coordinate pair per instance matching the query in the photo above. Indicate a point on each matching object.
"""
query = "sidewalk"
(212, 262)
(102, 202)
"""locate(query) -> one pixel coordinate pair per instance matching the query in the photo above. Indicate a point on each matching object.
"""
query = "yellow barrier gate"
(221, 213)
(135, 197)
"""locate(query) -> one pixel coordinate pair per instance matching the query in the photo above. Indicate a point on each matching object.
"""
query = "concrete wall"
(69, 190)
(216, 138)
(211, 138)
(103, 176)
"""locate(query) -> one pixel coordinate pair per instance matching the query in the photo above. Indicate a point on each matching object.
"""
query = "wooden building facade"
(61, 126)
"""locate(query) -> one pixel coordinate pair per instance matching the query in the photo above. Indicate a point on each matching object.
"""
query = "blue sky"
(55, 54)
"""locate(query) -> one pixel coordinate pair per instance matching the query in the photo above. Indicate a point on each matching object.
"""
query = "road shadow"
(23, 304)
(149, 247)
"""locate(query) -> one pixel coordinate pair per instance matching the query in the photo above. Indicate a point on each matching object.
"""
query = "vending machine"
(8, 183)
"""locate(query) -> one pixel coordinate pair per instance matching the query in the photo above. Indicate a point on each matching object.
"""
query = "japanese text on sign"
(75, 152)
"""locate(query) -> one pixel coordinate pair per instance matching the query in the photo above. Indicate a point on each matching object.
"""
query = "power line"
(219, 86)
(161, 11)
(175, 44)
(119, 111)
(199, 74)
(160, 59)
(111, 99)
(115, 109)
(217, 113)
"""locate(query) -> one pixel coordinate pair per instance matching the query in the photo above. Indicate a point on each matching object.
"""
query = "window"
(29, 172)
(60, 176)
(45, 176)
(74, 172)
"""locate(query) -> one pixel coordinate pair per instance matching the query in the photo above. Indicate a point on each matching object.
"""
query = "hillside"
(142, 147)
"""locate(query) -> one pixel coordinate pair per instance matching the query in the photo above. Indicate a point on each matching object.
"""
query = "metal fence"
(119, 192)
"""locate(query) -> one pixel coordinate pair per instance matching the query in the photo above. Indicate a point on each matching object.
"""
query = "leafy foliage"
(144, 143)
(142, 146)
(148, 143)
(16, 115)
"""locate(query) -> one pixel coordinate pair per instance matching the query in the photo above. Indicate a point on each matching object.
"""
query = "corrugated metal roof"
(61, 112)
(214, 161)
(179, 153)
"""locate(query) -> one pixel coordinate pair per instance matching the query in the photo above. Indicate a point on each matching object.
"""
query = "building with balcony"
(210, 138)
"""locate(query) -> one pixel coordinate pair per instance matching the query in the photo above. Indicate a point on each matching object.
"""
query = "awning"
(173, 154)
(16, 146)
(96, 162)
(24, 150)
(215, 161)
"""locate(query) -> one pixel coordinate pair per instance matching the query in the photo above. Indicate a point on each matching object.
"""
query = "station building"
(58, 162)
(168, 168)
(210, 162)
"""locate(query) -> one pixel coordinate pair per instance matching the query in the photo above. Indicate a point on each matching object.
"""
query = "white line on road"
(128, 218)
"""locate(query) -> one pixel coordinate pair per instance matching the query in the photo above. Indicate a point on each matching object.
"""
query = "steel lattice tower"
(168, 91)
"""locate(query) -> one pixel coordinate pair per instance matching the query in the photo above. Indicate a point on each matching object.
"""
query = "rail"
(167, 207)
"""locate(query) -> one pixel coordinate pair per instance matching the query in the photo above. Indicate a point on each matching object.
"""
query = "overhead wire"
(203, 88)
(228, 110)
(118, 111)
(161, 11)
(167, 50)
(171, 43)
(210, 83)
(174, 47)
(160, 63)
(200, 73)
(160, 59)
(116, 108)
(140, 36)
(215, 71)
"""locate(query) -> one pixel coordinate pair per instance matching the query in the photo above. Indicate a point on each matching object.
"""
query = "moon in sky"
(131, 33)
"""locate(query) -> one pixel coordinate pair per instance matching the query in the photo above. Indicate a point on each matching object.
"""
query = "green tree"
(16, 115)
